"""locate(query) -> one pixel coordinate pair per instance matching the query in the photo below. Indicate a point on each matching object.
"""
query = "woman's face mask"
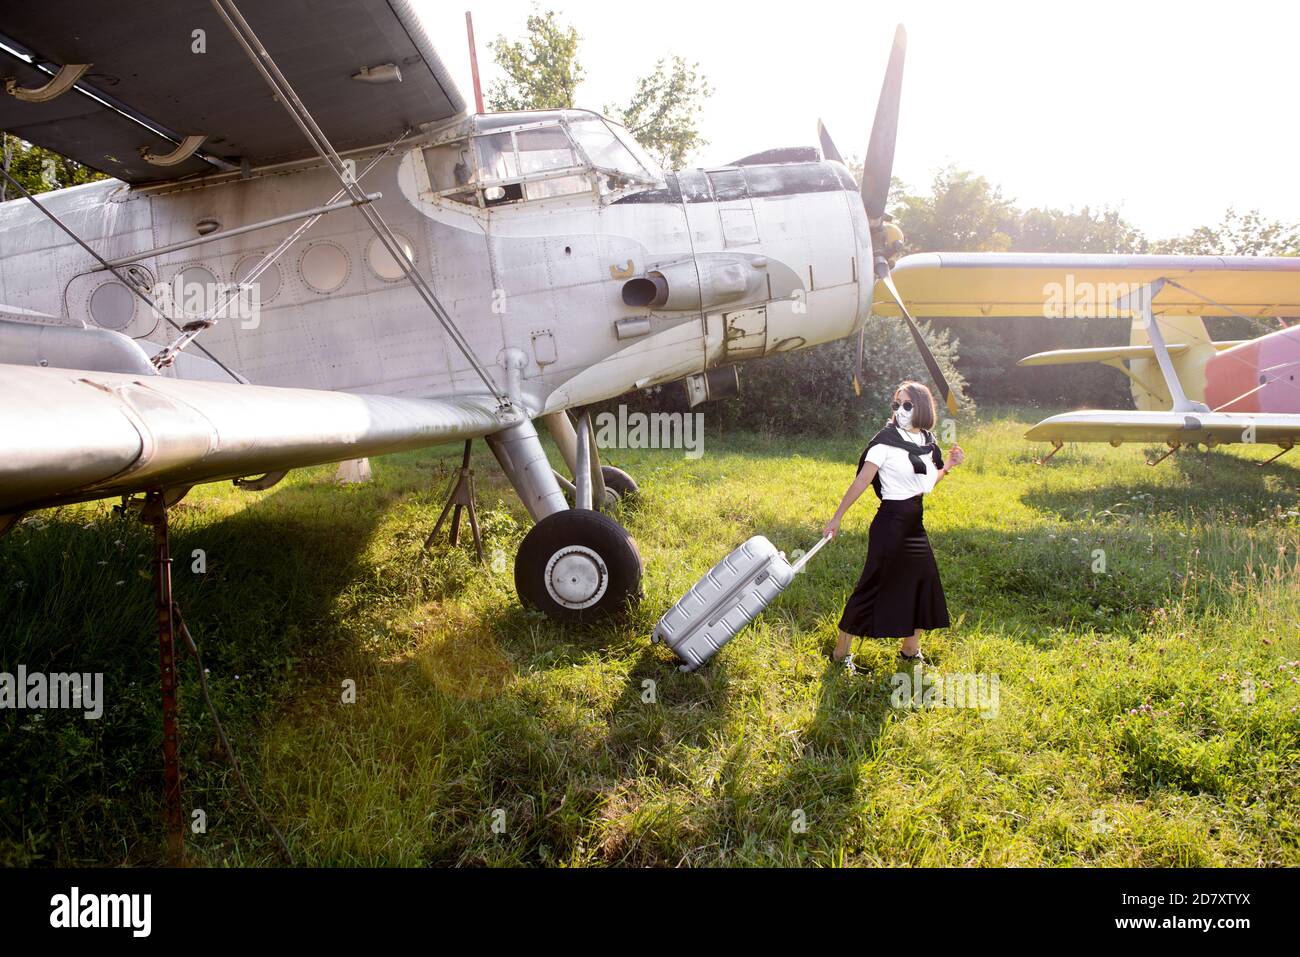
(903, 413)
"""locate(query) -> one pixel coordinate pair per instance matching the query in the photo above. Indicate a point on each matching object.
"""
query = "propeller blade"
(931, 364)
(829, 151)
(879, 164)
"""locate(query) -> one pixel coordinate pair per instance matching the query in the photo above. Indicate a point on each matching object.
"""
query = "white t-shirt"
(898, 480)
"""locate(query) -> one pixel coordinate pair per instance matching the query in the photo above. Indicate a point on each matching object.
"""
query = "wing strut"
(262, 59)
(1142, 302)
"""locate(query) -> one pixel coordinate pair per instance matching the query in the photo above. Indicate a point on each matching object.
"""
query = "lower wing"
(1171, 428)
(69, 436)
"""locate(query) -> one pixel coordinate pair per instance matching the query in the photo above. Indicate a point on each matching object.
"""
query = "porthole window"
(382, 262)
(112, 306)
(194, 292)
(324, 267)
(268, 284)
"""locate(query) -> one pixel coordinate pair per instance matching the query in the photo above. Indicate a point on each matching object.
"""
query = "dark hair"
(922, 404)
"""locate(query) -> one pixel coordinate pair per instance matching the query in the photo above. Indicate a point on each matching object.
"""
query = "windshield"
(645, 159)
(575, 152)
(612, 152)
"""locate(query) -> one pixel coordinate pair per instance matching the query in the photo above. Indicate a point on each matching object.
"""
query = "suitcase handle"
(807, 556)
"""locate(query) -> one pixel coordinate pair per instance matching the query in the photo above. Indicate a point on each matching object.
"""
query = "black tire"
(578, 565)
(620, 483)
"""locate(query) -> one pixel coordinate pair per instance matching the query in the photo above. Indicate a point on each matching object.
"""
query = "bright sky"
(1169, 111)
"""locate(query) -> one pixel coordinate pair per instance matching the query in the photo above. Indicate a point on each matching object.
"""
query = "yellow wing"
(1171, 428)
(1051, 285)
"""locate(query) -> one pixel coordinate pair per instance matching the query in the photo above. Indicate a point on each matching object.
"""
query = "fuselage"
(530, 257)
(1256, 376)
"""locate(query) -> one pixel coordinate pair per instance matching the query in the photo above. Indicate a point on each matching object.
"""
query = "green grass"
(1146, 716)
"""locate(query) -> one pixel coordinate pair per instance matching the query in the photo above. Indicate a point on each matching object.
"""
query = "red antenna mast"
(473, 64)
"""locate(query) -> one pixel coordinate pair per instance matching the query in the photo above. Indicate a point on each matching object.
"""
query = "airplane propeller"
(886, 238)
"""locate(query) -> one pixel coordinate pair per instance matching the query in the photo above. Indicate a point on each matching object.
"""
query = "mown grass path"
(1146, 714)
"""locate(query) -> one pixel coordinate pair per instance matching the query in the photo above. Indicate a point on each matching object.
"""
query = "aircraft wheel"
(620, 483)
(578, 565)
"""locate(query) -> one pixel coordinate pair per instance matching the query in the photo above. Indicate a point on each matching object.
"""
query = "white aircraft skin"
(538, 283)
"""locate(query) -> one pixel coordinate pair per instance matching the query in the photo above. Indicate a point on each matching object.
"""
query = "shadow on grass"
(1224, 485)
(79, 791)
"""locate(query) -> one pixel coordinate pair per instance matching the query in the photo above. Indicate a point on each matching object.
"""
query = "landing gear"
(578, 565)
(620, 483)
(619, 487)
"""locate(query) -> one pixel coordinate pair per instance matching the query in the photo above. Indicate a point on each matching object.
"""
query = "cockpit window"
(521, 157)
(645, 159)
(450, 170)
(496, 157)
(544, 149)
(612, 149)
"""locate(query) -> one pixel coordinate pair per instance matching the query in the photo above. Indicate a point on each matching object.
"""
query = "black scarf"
(889, 436)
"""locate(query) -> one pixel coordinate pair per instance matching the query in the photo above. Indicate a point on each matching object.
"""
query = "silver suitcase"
(726, 599)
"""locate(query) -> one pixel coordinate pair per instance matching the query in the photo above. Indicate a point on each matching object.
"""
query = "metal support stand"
(154, 513)
(1284, 451)
(462, 497)
(1056, 447)
(1172, 449)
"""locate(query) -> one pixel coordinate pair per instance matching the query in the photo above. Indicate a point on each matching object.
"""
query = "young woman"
(899, 594)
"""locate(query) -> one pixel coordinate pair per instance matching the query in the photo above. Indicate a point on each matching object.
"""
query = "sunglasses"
(906, 406)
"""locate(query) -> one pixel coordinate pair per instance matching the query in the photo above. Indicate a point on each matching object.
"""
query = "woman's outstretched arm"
(955, 457)
(858, 486)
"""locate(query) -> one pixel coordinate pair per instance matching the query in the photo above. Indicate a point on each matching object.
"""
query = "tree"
(664, 112)
(1238, 234)
(542, 71)
(38, 169)
(963, 212)
(1054, 231)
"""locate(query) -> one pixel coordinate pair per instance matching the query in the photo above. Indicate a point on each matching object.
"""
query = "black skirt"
(899, 590)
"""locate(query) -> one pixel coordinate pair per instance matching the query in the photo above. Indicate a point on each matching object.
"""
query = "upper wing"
(1173, 428)
(68, 436)
(162, 70)
(1052, 285)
